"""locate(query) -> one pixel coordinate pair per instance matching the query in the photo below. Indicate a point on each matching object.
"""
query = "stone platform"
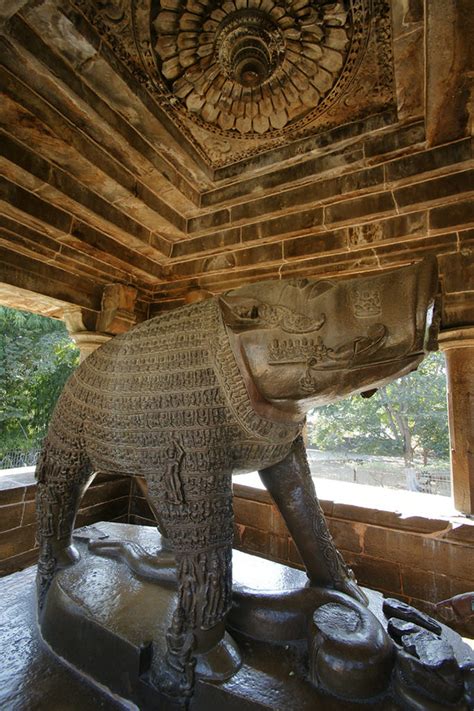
(31, 677)
(106, 630)
(104, 619)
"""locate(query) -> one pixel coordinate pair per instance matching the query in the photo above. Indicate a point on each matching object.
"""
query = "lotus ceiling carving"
(255, 66)
(241, 76)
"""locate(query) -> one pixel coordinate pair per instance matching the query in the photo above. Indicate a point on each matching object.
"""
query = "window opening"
(36, 358)
(396, 439)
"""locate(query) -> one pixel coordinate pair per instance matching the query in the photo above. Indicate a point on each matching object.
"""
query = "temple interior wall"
(110, 217)
(108, 498)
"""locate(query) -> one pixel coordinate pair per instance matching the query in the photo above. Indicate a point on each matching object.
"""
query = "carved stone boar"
(215, 388)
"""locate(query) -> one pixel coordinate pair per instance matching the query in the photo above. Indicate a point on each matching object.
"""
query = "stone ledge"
(377, 507)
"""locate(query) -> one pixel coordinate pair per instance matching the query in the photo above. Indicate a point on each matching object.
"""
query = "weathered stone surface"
(103, 188)
(409, 67)
(449, 52)
(459, 214)
(348, 536)
(427, 161)
(104, 500)
(350, 210)
(253, 514)
(11, 516)
(310, 167)
(384, 575)
(215, 241)
(313, 193)
(459, 269)
(448, 186)
(288, 224)
(406, 137)
(420, 587)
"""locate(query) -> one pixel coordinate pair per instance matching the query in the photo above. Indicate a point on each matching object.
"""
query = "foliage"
(403, 418)
(36, 358)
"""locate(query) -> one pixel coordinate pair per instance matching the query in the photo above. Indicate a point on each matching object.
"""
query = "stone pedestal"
(458, 347)
(108, 618)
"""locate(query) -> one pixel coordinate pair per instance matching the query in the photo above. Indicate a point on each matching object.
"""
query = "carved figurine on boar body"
(219, 387)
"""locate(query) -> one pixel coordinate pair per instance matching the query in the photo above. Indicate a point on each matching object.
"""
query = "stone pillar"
(116, 316)
(89, 341)
(458, 347)
(86, 341)
(449, 63)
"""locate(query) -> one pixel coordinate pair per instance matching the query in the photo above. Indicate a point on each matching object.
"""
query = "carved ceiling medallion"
(251, 67)
(241, 77)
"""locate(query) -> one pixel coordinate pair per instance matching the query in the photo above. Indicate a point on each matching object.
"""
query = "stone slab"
(103, 610)
(31, 677)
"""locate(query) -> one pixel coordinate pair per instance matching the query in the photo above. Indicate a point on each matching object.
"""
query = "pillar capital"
(117, 313)
(89, 341)
(456, 338)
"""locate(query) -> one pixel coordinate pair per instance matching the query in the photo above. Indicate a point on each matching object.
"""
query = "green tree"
(405, 417)
(36, 358)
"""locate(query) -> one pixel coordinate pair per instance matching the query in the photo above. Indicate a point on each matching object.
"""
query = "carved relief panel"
(241, 76)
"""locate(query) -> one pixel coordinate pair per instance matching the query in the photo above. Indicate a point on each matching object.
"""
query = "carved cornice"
(454, 338)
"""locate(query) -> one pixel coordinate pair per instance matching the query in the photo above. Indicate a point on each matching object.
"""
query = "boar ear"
(240, 313)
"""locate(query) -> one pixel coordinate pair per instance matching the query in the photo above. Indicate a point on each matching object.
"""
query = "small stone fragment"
(396, 608)
(397, 628)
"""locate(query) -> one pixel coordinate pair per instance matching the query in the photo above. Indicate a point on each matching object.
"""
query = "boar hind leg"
(62, 480)
(197, 515)
(290, 484)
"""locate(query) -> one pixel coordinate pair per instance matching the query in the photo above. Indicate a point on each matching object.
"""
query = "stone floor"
(31, 678)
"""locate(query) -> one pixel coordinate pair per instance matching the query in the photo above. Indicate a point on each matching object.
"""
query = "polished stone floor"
(31, 678)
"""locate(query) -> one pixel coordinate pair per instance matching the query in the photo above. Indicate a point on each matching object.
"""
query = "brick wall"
(418, 559)
(108, 498)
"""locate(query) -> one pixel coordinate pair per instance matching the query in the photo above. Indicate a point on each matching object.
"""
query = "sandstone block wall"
(108, 498)
(417, 559)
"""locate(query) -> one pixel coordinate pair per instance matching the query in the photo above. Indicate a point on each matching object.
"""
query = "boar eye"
(253, 312)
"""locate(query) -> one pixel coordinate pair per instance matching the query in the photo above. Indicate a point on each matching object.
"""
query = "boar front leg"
(290, 484)
(196, 512)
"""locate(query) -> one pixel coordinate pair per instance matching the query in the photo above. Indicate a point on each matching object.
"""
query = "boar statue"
(215, 388)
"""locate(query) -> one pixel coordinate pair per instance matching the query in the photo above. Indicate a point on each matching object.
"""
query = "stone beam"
(25, 300)
(8, 8)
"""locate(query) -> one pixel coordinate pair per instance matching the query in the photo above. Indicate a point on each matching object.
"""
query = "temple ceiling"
(238, 78)
(171, 145)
